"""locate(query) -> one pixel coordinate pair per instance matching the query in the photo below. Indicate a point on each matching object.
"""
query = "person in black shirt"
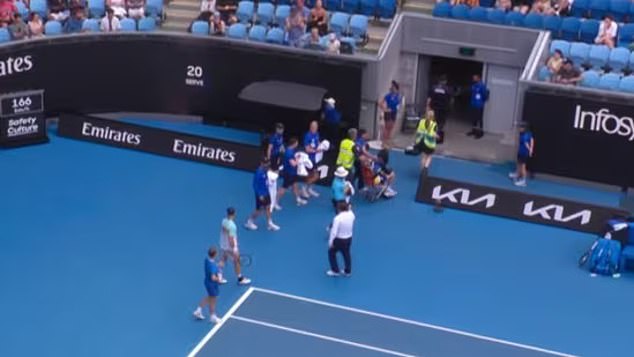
(438, 100)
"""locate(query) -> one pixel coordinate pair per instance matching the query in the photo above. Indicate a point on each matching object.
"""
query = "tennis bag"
(605, 257)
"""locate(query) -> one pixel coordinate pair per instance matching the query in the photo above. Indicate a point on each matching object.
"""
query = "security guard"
(438, 100)
(345, 158)
(426, 138)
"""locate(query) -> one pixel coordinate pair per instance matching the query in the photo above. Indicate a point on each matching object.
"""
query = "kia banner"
(515, 204)
(581, 138)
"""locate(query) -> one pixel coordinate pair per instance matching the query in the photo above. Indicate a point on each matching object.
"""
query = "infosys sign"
(159, 141)
(603, 121)
(515, 204)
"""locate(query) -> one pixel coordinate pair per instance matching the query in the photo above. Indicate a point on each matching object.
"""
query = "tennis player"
(289, 175)
(229, 247)
(311, 146)
(262, 197)
(212, 279)
(275, 150)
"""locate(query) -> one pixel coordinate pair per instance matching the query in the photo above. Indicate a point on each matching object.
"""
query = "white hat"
(330, 101)
(341, 172)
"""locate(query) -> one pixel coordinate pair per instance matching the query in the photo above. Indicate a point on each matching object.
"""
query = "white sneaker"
(313, 192)
(273, 227)
(222, 281)
(520, 183)
(616, 275)
(214, 319)
(244, 281)
(250, 225)
(301, 202)
(304, 193)
(198, 315)
(277, 207)
(331, 273)
(513, 175)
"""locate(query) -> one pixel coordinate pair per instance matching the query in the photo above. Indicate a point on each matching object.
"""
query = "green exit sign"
(467, 51)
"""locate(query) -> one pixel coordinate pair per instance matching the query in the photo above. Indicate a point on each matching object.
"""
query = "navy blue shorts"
(288, 179)
(522, 159)
(212, 288)
(262, 201)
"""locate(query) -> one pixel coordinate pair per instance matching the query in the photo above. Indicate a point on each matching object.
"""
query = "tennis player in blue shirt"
(311, 145)
(211, 282)
(262, 197)
(289, 174)
(276, 146)
(524, 153)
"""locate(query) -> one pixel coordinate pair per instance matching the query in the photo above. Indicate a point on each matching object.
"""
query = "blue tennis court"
(279, 324)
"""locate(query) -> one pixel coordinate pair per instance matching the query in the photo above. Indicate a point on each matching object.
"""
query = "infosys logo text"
(13, 65)
(604, 121)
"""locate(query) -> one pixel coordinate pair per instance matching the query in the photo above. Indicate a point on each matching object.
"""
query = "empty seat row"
(595, 56)
(621, 9)
(381, 8)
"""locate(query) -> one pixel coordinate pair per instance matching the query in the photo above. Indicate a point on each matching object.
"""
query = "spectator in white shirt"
(333, 43)
(110, 23)
(341, 239)
(136, 8)
(607, 32)
(208, 5)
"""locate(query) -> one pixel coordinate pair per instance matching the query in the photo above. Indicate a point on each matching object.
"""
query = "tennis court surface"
(269, 323)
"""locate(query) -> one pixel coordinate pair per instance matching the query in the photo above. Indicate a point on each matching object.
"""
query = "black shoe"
(479, 135)
(471, 133)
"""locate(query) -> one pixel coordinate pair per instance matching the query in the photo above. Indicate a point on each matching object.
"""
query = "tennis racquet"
(246, 260)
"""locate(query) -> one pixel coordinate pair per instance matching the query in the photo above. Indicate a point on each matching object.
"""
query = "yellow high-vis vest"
(346, 154)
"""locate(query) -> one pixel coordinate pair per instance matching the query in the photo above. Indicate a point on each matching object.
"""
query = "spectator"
(227, 9)
(77, 4)
(58, 10)
(36, 26)
(75, 22)
(313, 41)
(118, 6)
(7, 9)
(554, 62)
(216, 25)
(296, 23)
(110, 23)
(568, 74)
(136, 8)
(319, 18)
(208, 6)
(470, 3)
(607, 32)
(563, 7)
(334, 45)
(19, 30)
(543, 7)
(504, 5)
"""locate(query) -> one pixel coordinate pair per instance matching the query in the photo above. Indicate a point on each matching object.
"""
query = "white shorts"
(136, 13)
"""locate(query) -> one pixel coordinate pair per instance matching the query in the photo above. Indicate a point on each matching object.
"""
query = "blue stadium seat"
(369, 7)
(609, 81)
(487, 3)
(257, 33)
(153, 8)
(514, 18)
(588, 30)
(590, 79)
(626, 35)
(544, 74)
(275, 35)
(620, 9)
(534, 21)
(128, 25)
(631, 65)
(22, 10)
(96, 8)
(570, 29)
(53, 28)
(619, 59)
(266, 13)
(358, 26)
(5, 35)
(237, 31)
(287, 2)
(442, 9)
(553, 24)
(281, 13)
(496, 16)
(579, 53)
(387, 9)
(147, 24)
(333, 5)
(598, 56)
(460, 12)
(40, 7)
(351, 6)
(200, 28)
(339, 22)
(563, 46)
(599, 8)
(90, 25)
(478, 14)
(245, 11)
(627, 84)
(580, 8)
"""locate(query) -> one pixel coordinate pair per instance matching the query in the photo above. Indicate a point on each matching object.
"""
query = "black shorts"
(262, 201)
(421, 147)
(276, 160)
(522, 159)
(288, 179)
(389, 116)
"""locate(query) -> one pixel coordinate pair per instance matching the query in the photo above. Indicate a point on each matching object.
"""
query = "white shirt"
(110, 25)
(610, 31)
(342, 226)
(208, 5)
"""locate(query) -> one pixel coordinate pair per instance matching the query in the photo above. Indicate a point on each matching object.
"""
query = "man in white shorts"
(229, 247)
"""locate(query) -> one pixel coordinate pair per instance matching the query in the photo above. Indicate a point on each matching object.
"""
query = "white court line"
(416, 323)
(224, 319)
(321, 337)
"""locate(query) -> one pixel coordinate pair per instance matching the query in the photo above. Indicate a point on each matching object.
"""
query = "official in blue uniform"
(390, 105)
(276, 146)
(211, 282)
(524, 153)
(262, 197)
(479, 96)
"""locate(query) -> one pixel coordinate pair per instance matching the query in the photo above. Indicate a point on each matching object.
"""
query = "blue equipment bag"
(605, 257)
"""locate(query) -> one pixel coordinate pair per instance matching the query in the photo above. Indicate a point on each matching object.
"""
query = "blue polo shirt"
(338, 189)
(331, 115)
(276, 140)
(259, 182)
(525, 140)
(289, 154)
(478, 95)
(211, 268)
(392, 100)
(311, 139)
(359, 145)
